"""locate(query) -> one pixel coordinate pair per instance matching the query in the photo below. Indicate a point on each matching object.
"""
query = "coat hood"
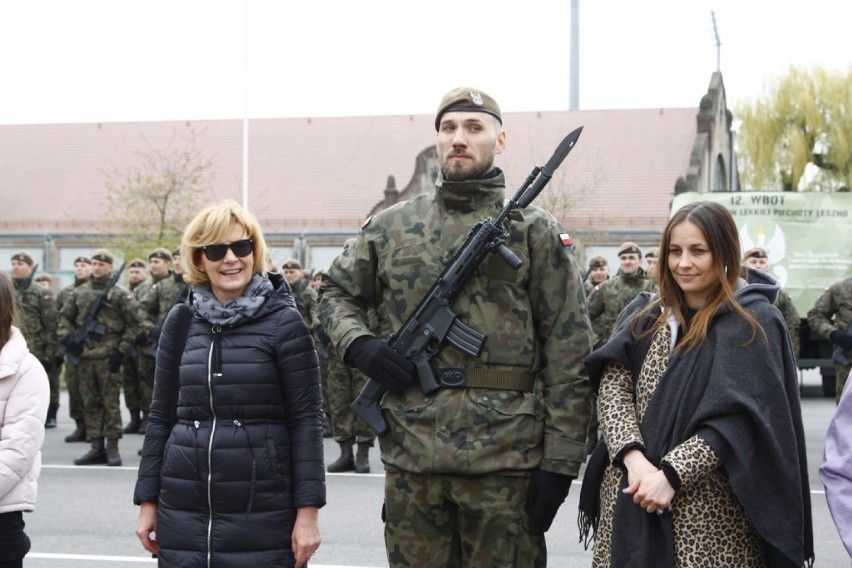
(12, 353)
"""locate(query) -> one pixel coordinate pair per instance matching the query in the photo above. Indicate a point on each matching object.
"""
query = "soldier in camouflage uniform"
(608, 299)
(39, 324)
(758, 259)
(831, 318)
(153, 307)
(474, 475)
(82, 272)
(100, 382)
(597, 272)
(139, 283)
(651, 259)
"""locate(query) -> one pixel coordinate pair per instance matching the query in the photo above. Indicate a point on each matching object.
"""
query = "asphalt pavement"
(85, 515)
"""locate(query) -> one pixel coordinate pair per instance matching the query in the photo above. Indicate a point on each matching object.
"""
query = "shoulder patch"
(565, 239)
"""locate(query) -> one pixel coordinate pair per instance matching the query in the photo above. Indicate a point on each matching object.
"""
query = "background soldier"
(153, 308)
(100, 383)
(758, 259)
(82, 271)
(651, 259)
(139, 283)
(597, 272)
(609, 298)
(39, 324)
(183, 289)
(831, 317)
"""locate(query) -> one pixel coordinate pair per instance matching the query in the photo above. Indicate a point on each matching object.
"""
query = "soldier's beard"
(455, 171)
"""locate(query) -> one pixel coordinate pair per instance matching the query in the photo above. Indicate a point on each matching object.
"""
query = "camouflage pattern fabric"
(100, 391)
(610, 297)
(423, 513)
(535, 320)
(344, 384)
(833, 311)
(791, 316)
(39, 318)
(72, 383)
(307, 302)
(152, 308)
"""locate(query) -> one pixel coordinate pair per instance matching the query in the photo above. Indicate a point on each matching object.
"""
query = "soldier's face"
(82, 270)
(467, 144)
(629, 263)
(137, 274)
(761, 264)
(599, 274)
(292, 275)
(159, 267)
(100, 269)
(21, 269)
(178, 265)
(652, 264)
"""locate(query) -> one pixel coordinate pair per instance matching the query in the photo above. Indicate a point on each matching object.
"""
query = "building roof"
(323, 175)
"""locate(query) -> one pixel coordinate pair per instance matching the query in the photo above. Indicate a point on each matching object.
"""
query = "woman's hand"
(647, 483)
(146, 525)
(306, 536)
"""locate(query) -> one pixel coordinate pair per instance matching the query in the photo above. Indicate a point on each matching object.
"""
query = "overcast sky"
(119, 60)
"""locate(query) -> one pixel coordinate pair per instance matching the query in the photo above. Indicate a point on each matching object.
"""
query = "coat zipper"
(216, 329)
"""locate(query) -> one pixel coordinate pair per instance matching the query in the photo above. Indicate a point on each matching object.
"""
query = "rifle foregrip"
(366, 407)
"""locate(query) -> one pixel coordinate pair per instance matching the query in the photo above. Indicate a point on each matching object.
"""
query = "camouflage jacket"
(535, 320)
(833, 310)
(118, 316)
(610, 297)
(39, 319)
(307, 302)
(154, 304)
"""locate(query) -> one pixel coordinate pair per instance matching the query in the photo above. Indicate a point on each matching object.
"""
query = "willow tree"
(152, 199)
(797, 136)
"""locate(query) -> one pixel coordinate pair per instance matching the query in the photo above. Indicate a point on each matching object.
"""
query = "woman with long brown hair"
(704, 462)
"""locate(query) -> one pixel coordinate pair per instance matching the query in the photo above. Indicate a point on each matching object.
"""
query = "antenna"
(718, 42)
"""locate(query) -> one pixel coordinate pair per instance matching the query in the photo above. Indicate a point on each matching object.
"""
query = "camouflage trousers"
(459, 521)
(342, 386)
(147, 364)
(72, 381)
(100, 391)
(840, 379)
(53, 381)
(130, 383)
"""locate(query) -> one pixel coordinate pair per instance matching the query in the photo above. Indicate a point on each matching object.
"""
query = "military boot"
(346, 462)
(133, 426)
(112, 455)
(78, 435)
(93, 456)
(362, 458)
(50, 421)
(143, 424)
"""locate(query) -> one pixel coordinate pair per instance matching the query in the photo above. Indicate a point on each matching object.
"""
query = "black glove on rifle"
(842, 338)
(380, 362)
(114, 361)
(547, 492)
(46, 364)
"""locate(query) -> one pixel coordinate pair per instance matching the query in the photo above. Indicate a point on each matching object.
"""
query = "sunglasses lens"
(241, 248)
(215, 252)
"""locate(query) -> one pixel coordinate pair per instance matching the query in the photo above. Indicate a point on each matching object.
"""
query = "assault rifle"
(433, 322)
(90, 330)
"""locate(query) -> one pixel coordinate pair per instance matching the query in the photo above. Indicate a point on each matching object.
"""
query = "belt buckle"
(453, 377)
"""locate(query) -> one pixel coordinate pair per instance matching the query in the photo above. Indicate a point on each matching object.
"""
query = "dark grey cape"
(739, 394)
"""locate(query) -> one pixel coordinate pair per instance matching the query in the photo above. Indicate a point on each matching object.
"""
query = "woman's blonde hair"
(720, 230)
(209, 227)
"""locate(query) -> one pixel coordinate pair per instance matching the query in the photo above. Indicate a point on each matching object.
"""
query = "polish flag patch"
(566, 239)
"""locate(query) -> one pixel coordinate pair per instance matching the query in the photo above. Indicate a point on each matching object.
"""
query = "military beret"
(160, 253)
(467, 100)
(176, 252)
(756, 252)
(597, 262)
(653, 252)
(629, 247)
(291, 263)
(102, 255)
(44, 278)
(23, 257)
(84, 259)
(137, 263)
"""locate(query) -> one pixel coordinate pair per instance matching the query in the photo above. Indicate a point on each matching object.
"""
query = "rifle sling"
(483, 378)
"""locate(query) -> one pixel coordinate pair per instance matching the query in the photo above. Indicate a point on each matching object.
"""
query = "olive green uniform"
(39, 329)
(537, 328)
(152, 308)
(610, 297)
(832, 312)
(72, 371)
(99, 387)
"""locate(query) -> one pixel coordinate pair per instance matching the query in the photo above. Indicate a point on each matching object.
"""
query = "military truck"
(808, 240)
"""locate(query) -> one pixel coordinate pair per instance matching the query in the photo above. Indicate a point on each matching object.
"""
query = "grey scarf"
(208, 307)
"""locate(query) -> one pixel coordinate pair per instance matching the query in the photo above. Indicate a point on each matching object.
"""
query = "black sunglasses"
(239, 248)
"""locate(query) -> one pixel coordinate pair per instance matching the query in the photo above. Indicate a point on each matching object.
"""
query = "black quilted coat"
(234, 440)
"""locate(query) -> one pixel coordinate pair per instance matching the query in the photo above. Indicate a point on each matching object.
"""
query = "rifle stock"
(433, 322)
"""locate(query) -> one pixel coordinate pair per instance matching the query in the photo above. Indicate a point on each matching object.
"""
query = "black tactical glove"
(379, 362)
(114, 361)
(842, 338)
(58, 360)
(46, 364)
(547, 492)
